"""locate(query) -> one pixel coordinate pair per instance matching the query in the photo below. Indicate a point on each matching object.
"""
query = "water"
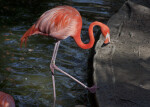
(25, 74)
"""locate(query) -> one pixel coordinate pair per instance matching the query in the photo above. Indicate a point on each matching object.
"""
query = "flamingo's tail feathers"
(28, 33)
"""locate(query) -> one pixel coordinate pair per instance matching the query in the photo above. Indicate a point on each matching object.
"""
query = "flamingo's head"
(106, 33)
(107, 39)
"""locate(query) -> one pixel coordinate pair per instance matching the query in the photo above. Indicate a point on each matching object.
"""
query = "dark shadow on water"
(90, 70)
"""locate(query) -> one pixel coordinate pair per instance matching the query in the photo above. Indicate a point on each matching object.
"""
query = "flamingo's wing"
(59, 22)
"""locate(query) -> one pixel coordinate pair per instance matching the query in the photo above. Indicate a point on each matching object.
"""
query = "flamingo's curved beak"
(107, 40)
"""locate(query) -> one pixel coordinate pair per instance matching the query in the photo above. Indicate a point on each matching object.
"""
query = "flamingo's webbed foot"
(92, 89)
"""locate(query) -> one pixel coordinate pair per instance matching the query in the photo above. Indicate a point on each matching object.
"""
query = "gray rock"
(122, 68)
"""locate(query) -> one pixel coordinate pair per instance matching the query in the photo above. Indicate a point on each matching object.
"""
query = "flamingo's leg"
(91, 89)
(52, 67)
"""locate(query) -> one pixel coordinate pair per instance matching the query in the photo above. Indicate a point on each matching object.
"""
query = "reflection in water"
(24, 73)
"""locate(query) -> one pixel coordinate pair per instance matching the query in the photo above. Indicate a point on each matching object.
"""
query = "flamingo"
(6, 100)
(61, 22)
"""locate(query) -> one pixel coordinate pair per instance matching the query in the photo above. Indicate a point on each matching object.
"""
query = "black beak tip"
(104, 44)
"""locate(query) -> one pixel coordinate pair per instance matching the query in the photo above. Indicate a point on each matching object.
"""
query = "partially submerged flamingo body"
(60, 23)
(6, 100)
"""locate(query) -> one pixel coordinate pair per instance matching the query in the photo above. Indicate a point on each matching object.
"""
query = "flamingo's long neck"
(78, 40)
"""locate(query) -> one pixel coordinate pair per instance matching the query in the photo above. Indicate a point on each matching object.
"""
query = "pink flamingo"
(60, 23)
(6, 100)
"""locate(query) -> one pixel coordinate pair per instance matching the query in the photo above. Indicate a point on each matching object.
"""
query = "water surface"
(25, 74)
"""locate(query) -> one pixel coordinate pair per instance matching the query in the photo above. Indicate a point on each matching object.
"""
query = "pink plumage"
(59, 22)
(6, 100)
